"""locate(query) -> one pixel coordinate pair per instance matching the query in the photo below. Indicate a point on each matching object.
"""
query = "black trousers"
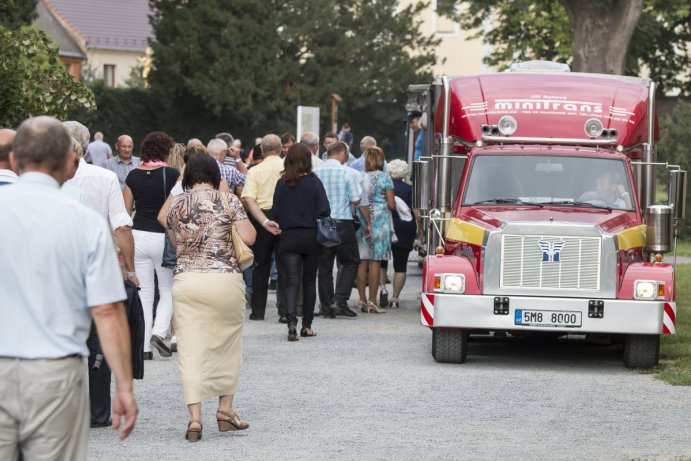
(99, 381)
(348, 256)
(298, 254)
(263, 247)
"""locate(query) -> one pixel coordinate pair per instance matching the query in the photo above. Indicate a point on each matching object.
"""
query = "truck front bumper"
(477, 312)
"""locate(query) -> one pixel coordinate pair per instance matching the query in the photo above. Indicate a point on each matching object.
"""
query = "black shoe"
(148, 355)
(158, 344)
(344, 310)
(97, 424)
(256, 317)
(283, 319)
(328, 312)
(293, 333)
(272, 286)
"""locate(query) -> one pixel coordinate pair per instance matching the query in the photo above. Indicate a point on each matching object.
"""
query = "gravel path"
(368, 388)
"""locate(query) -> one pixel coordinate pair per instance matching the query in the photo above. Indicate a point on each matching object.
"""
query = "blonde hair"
(176, 157)
(374, 159)
(77, 147)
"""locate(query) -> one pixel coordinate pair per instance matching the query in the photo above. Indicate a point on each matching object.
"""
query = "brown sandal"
(232, 422)
(194, 435)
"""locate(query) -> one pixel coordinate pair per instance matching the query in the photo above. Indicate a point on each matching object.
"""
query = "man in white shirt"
(311, 140)
(7, 175)
(105, 197)
(58, 271)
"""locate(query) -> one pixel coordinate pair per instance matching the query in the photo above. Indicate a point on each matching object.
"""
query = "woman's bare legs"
(373, 280)
(361, 280)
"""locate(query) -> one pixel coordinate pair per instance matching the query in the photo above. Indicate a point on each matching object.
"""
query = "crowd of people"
(176, 212)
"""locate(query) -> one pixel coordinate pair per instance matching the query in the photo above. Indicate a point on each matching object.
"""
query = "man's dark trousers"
(348, 256)
(99, 381)
(263, 247)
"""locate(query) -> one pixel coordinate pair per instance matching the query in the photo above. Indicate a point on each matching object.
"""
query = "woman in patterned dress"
(377, 246)
(208, 292)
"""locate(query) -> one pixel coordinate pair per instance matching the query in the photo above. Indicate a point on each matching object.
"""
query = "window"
(109, 75)
(445, 25)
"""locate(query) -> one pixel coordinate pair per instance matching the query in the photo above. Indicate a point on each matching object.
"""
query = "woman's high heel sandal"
(372, 307)
(363, 306)
(193, 435)
(231, 422)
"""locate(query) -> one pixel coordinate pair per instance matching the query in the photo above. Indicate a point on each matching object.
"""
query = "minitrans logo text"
(541, 104)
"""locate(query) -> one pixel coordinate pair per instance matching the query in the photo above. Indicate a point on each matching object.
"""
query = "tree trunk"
(602, 30)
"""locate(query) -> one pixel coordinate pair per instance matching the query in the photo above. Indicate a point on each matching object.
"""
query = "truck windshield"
(549, 180)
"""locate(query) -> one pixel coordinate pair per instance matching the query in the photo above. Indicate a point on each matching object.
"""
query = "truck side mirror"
(677, 193)
(422, 184)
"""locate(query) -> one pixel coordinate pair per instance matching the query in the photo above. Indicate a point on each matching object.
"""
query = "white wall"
(463, 55)
(124, 61)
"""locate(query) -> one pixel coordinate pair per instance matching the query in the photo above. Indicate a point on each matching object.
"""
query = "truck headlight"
(645, 289)
(450, 283)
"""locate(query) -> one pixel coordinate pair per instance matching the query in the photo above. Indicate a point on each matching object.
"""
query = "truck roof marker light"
(593, 128)
(620, 148)
(507, 125)
(479, 143)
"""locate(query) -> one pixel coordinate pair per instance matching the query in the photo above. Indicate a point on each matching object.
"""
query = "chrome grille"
(548, 261)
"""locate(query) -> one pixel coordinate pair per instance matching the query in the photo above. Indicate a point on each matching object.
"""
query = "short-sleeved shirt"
(202, 227)
(148, 191)
(342, 186)
(103, 190)
(121, 168)
(261, 181)
(99, 152)
(232, 176)
(58, 260)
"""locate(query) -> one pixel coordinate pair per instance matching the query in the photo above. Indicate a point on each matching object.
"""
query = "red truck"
(536, 188)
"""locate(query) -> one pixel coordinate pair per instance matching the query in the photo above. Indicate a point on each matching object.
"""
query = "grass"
(684, 247)
(675, 350)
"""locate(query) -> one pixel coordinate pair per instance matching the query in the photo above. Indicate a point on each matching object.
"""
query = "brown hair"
(374, 159)
(298, 163)
(156, 146)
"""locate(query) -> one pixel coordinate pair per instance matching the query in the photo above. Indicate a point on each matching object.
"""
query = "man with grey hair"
(105, 197)
(359, 163)
(97, 152)
(258, 196)
(44, 412)
(311, 140)
(217, 148)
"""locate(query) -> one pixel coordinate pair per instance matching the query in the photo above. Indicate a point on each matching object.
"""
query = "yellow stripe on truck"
(462, 231)
(631, 238)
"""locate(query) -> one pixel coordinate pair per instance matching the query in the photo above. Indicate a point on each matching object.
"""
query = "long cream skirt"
(209, 310)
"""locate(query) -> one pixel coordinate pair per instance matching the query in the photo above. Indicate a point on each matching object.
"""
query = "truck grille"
(532, 261)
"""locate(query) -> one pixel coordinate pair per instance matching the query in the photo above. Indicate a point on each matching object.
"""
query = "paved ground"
(369, 389)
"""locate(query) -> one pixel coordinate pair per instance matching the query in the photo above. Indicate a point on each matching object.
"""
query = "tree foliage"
(244, 65)
(17, 13)
(542, 29)
(33, 81)
(674, 146)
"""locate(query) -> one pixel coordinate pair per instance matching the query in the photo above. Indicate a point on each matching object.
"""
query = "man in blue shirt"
(58, 270)
(359, 163)
(344, 190)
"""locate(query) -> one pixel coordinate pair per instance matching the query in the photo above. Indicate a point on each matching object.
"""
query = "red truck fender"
(663, 273)
(443, 264)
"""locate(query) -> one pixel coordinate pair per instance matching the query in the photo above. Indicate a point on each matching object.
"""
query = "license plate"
(525, 317)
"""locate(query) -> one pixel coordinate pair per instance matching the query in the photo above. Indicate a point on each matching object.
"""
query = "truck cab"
(536, 191)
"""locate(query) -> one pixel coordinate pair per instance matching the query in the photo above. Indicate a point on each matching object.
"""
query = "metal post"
(647, 187)
(443, 164)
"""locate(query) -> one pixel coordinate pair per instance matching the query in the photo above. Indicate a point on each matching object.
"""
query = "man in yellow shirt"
(257, 196)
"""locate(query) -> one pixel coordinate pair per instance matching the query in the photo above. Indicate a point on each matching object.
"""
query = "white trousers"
(148, 253)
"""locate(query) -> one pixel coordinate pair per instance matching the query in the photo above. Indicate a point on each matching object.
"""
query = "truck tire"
(641, 351)
(449, 345)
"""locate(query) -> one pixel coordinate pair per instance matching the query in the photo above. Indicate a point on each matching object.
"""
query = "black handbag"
(170, 258)
(327, 233)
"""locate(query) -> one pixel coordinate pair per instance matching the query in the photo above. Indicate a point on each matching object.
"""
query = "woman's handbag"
(327, 233)
(170, 258)
(243, 253)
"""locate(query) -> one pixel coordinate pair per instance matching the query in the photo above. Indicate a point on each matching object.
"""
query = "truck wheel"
(641, 351)
(449, 345)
